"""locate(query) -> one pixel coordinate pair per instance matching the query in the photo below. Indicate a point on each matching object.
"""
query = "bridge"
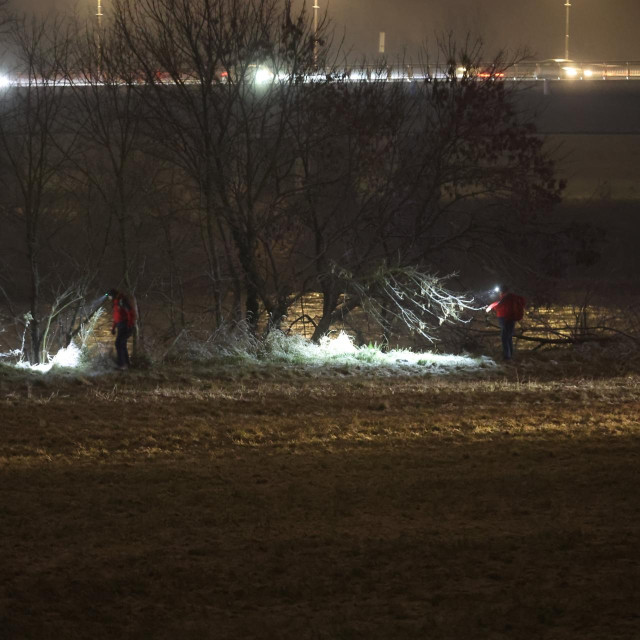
(588, 110)
(595, 107)
(563, 97)
(553, 69)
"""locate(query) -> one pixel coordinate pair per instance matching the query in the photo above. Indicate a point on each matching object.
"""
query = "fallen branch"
(542, 341)
(303, 317)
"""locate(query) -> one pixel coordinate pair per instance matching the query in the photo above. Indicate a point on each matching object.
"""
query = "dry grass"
(274, 503)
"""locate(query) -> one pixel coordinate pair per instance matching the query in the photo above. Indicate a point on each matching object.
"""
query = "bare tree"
(114, 161)
(34, 149)
(344, 137)
(6, 18)
(110, 112)
(221, 124)
(426, 178)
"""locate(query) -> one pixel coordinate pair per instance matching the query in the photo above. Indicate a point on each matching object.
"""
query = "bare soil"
(269, 502)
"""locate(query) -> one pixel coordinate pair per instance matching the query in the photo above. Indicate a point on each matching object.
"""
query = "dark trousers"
(507, 327)
(121, 344)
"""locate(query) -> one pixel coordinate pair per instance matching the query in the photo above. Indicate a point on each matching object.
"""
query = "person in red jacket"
(124, 321)
(509, 309)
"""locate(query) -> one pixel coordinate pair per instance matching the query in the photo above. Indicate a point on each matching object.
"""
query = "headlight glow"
(264, 75)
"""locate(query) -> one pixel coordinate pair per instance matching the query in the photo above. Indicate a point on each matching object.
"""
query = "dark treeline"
(180, 152)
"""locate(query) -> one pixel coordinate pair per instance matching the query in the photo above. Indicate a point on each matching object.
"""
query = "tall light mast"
(315, 31)
(99, 14)
(566, 32)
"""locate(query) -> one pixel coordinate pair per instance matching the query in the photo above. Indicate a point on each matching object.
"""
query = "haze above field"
(599, 30)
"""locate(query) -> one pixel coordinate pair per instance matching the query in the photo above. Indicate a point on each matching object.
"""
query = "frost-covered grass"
(279, 349)
(67, 358)
(74, 356)
(341, 351)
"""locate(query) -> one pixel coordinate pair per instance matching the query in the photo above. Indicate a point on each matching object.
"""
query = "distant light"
(571, 72)
(264, 75)
(588, 73)
(496, 289)
(5, 81)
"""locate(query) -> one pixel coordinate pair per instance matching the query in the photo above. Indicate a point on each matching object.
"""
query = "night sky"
(600, 29)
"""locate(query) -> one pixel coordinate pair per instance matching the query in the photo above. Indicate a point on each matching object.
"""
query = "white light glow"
(5, 81)
(342, 351)
(264, 75)
(571, 72)
(68, 358)
(14, 353)
(342, 345)
(588, 73)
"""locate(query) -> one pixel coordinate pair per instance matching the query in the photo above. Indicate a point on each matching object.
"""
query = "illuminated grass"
(342, 351)
(66, 358)
(278, 349)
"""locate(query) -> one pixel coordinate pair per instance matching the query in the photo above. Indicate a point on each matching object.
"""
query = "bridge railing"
(524, 71)
(529, 70)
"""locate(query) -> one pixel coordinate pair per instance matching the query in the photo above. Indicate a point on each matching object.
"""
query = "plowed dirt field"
(195, 502)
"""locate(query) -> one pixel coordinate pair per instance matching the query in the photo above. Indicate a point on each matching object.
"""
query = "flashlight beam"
(98, 305)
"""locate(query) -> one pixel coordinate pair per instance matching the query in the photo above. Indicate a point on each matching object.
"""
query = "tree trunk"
(34, 303)
(329, 304)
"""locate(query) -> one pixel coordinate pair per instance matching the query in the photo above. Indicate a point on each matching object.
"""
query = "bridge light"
(264, 75)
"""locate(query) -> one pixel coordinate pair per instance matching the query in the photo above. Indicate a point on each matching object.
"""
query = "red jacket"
(510, 306)
(123, 311)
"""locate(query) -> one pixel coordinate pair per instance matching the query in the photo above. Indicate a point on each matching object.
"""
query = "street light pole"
(566, 33)
(99, 14)
(315, 31)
